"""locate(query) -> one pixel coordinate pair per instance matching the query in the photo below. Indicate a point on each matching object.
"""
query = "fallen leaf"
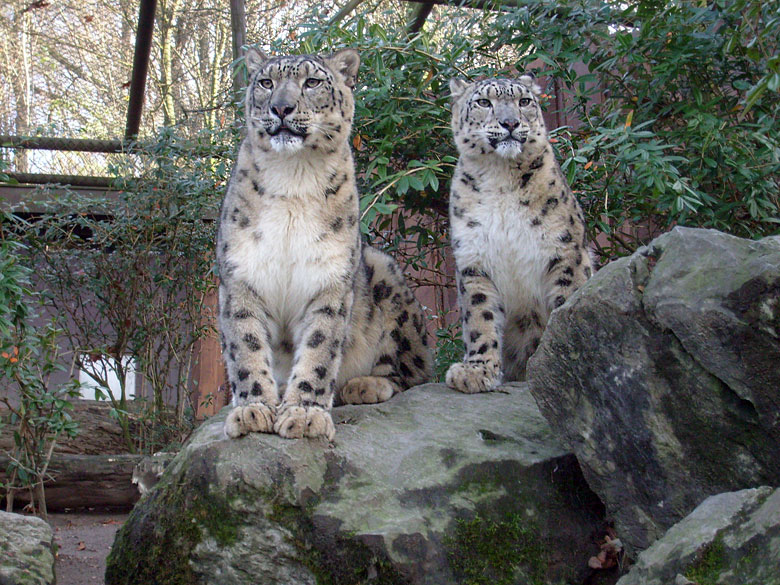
(81, 546)
(610, 553)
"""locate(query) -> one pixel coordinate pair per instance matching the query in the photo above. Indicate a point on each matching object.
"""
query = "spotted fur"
(518, 233)
(308, 314)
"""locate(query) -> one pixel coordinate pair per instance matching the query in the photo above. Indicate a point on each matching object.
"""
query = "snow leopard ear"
(346, 62)
(529, 80)
(457, 87)
(254, 58)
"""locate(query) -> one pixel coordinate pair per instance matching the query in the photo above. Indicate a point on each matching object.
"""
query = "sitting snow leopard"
(307, 313)
(518, 233)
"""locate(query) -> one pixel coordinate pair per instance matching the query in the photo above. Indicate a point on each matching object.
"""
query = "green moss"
(501, 552)
(709, 563)
(154, 545)
(332, 556)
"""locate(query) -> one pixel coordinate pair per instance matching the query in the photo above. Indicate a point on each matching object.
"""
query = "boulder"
(431, 487)
(661, 374)
(729, 539)
(26, 550)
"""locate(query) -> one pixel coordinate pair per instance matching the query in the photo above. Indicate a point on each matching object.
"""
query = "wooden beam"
(477, 4)
(73, 180)
(52, 143)
(143, 48)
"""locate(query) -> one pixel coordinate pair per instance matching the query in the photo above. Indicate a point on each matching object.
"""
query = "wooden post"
(211, 393)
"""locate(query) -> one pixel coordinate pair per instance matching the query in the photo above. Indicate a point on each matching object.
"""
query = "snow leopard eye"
(311, 83)
(266, 83)
(483, 103)
(524, 102)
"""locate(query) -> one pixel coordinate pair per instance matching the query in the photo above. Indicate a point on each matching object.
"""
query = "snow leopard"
(517, 232)
(309, 316)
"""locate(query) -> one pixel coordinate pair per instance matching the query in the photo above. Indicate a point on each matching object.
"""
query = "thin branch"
(346, 9)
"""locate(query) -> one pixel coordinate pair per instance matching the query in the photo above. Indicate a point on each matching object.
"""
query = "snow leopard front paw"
(471, 378)
(367, 390)
(250, 418)
(294, 422)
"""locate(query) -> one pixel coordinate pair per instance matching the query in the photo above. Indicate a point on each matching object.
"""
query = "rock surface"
(26, 555)
(661, 374)
(729, 539)
(430, 487)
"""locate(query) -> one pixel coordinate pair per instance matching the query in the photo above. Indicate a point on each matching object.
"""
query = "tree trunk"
(98, 432)
(167, 14)
(84, 481)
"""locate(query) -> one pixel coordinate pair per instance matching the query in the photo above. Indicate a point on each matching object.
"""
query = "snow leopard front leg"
(319, 341)
(247, 352)
(483, 327)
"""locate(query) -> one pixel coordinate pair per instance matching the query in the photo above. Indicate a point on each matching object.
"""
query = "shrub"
(675, 105)
(36, 408)
(677, 108)
(129, 275)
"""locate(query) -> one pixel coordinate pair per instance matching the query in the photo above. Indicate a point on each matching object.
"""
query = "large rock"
(661, 374)
(729, 539)
(26, 550)
(432, 487)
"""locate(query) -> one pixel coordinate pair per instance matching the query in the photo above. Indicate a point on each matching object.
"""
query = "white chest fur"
(512, 251)
(284, 257)
(284, 251)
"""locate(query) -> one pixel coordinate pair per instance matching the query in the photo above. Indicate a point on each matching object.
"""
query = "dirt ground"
(83, 541)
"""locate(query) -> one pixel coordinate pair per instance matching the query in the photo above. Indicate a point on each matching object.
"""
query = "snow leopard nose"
(510, 123)
(282, 109)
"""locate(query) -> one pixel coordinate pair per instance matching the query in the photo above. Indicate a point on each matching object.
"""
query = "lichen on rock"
(26, 550)
(729, 539)
(379, 505)
(661, 375)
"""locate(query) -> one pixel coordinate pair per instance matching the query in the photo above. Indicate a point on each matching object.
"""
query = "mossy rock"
(730, 539)
(380, 505)
(26, 550)
(660, 374)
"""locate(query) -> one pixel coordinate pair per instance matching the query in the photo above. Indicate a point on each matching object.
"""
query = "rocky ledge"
(431, 487)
